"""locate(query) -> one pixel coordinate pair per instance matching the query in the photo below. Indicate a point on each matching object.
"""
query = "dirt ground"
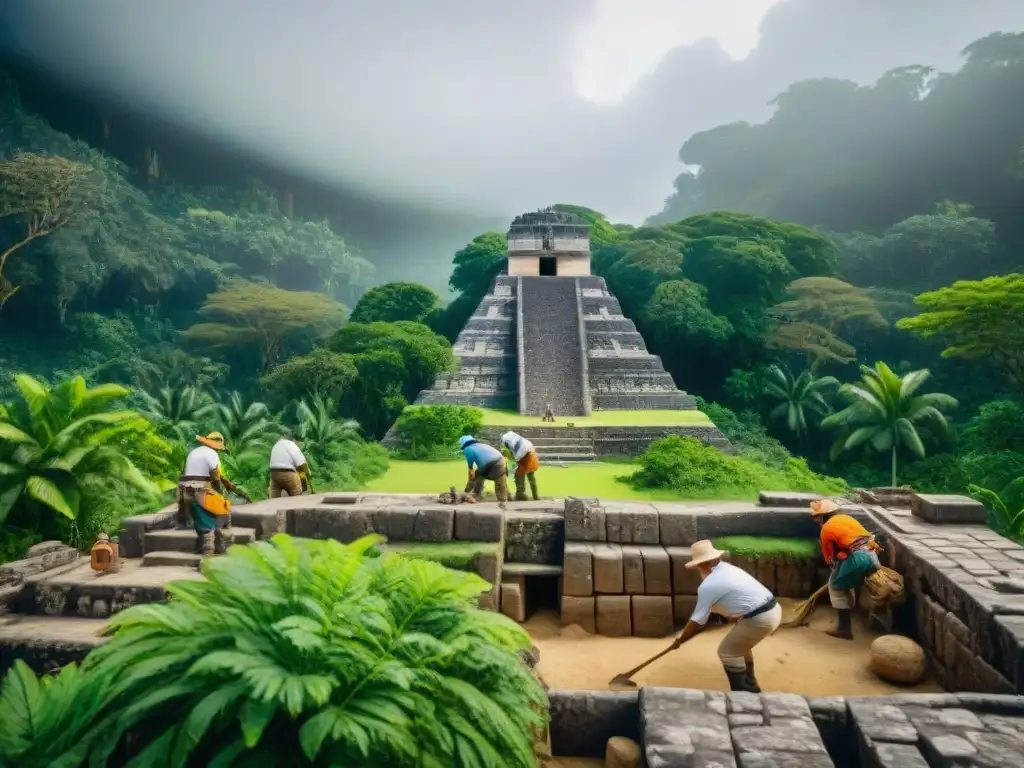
(803, 660)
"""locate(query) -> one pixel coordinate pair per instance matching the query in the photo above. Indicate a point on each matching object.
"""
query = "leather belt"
(763, 609)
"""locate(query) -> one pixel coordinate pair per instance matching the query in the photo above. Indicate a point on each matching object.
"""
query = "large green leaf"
(9, 497)
(12, 434)
(45, 492)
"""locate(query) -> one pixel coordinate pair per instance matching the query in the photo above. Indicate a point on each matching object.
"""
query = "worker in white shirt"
(200, 501)
(527, 463)
(735, 594)
(289, 472)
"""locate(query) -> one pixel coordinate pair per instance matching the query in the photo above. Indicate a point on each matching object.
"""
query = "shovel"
(624, 678)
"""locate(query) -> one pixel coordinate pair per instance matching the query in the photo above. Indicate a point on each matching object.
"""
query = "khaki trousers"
(284, 482)
(737, 647)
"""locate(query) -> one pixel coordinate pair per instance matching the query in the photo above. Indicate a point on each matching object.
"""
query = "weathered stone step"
(47, 643)
(175, 540)
(161, 558)
(530, 569)
(567, 456)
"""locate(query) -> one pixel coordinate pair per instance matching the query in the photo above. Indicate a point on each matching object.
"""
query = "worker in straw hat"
(731, 592)
(851, 552)
(485, 462)
(199, 500)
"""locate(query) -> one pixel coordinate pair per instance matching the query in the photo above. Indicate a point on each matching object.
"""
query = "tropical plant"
(179, 411)
(1005, 508)
(319, 430)
(886, 413)
(54, 440)
(247, 426)
(291, 653)
(800, 395)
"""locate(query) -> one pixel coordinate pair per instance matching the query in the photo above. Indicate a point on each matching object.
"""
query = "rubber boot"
(751, 679)
(533, 486)
(737, 681)
(520, 488)
(844, 627)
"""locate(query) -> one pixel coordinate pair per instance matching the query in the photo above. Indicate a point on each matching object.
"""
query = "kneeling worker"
(731, 592)
(485, 462)
(850, 551)
(289, 472)
(527, 463)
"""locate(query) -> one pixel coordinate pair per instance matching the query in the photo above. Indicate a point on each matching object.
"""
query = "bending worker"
(731, 592)
(527, 463)
(199, 499)
(850, 551)
(485, 462)
(289, 472)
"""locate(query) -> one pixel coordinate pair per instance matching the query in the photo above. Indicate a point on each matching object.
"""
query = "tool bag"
(215, 503)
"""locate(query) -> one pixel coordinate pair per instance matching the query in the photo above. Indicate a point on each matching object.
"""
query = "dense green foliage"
(291, 653)
(432, 431)
(694, 471)
(66, 454)
(393, 302)
(887, 413)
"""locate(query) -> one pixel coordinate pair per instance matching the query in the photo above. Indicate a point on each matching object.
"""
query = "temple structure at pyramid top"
(549, 333)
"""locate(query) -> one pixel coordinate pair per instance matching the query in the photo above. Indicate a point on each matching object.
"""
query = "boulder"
(898, 659)
(621, 752)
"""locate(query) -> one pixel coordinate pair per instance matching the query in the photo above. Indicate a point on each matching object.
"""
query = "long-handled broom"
(805, 609)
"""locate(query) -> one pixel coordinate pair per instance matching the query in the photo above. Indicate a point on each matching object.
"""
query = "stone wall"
(966, 590)
(624, 563)
(681, 728)
(610, 441)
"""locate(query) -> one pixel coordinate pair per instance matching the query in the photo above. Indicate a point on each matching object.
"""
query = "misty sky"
(485, 106)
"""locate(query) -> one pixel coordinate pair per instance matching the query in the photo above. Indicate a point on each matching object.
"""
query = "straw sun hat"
(702, 552)
(213, 440)
(823, 507)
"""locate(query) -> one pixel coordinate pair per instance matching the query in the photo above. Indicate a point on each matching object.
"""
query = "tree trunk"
(893, 485)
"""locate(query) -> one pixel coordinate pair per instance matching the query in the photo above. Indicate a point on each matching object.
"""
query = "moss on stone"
(769, 546)
(453, 554)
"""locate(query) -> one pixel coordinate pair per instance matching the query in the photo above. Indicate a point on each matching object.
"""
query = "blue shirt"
(481, 454)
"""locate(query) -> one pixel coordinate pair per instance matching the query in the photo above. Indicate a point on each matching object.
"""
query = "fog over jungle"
(487, 108)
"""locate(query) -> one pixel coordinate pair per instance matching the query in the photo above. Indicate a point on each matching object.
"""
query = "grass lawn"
(769, 546)
(602, 419)
(579, 480)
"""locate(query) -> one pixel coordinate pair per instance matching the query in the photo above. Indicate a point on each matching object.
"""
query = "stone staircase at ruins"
(486, 353)
(623, 375)
(551, 355)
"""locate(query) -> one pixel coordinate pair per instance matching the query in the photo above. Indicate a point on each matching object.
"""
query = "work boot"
(844, 628)
(533, 486)
(737, 680)
(520, 489)
(751, 679)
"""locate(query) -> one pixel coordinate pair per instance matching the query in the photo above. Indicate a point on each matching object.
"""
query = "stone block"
(657, 570)
(134, 528)
(792, 577)
(684, 728)
(612, 615)
(782, 523)
(881, 722)
(796, 738)
(472, 524)
(579, 611)
(584, 520)
(682, 607)
(939, 508)
(342, 523)
(631, 523)
(534, 537)
(785, 706)
(434, 524)
(577, 570)
(895, 756)
(684, 580)
(677, 525)
(582, 722)
(788, 499)
(607, 565)
(745, 718)
(652, 615)
(621, 752)
(944, 748)
(632, 570)
(398, 523)
(512, 601)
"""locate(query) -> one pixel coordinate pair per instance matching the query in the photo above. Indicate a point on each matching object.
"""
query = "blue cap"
(465, 440)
